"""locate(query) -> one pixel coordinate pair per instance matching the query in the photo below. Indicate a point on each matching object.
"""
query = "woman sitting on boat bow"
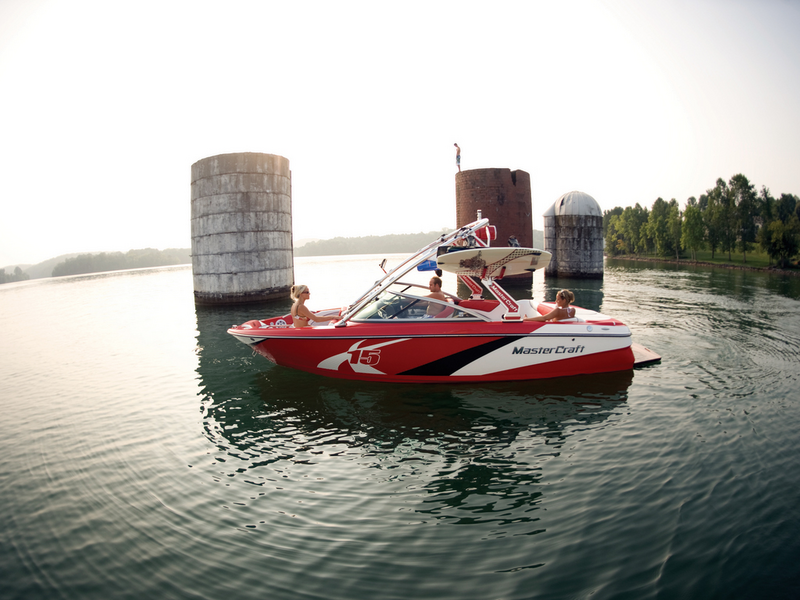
(301, 316)
(562, 311)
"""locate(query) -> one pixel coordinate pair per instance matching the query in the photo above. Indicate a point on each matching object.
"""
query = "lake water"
(144, 453)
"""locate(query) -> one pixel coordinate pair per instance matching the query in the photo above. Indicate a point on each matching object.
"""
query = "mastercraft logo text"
(556, 350)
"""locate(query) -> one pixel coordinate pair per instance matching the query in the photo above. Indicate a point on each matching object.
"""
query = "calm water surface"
(146, 453)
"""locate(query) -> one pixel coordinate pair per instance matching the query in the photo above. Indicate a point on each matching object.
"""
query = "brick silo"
(503, 196)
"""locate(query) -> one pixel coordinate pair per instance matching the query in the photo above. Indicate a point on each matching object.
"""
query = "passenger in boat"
(562, 311)
(301, 316)
(435, 286)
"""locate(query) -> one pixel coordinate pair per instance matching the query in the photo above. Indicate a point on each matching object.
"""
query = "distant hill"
(96, 262)
(10, 268)
(117, 261)
(42, 269)
(304, 241)
(45, 268)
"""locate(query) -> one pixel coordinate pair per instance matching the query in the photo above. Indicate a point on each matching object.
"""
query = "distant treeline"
(371, 244)
(389, 244)
(17, 275)
(728, 217)
(116, 261)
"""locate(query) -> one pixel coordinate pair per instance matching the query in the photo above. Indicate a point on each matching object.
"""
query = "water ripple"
(163, 460)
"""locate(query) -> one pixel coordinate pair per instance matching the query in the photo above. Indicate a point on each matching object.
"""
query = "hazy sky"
(106, 105)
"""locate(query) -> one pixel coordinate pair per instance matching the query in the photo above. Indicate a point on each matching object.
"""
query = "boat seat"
(445, 313)
(526, 308)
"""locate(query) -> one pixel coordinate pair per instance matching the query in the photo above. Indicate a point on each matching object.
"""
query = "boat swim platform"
(643, 356)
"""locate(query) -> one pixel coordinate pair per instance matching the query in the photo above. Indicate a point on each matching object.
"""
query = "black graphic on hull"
(450, 364)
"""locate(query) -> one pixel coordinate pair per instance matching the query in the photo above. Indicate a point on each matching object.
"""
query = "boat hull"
(430, 354)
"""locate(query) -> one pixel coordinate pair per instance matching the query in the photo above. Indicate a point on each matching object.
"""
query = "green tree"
(632, 220)
(615, 243)
(779, 236)
(785, 207)
(646, 242)
(693, 230)
(727, 218)
(767, 209)
(782, 240)
(674, 225)
(657, 224)
(617, 210)
(743, 195)
(713, 216)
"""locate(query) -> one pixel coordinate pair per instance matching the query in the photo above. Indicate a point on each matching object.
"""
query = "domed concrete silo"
(242, 228)
(573, 234)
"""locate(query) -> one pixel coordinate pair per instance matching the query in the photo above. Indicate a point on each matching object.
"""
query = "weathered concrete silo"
(573, 234)
(241, 228)
(503, 196)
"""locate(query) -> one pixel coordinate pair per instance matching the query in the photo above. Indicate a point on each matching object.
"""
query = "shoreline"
(699, 263)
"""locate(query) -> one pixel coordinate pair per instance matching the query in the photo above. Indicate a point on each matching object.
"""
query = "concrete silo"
(573, 234)
(241, 228)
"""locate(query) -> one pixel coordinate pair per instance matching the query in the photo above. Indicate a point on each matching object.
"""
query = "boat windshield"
(393, 276)
(407, 307)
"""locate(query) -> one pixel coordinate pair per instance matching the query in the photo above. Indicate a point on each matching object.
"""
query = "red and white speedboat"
(389, 333)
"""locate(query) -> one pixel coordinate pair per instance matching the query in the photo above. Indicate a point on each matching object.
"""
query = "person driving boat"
(435, 286)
